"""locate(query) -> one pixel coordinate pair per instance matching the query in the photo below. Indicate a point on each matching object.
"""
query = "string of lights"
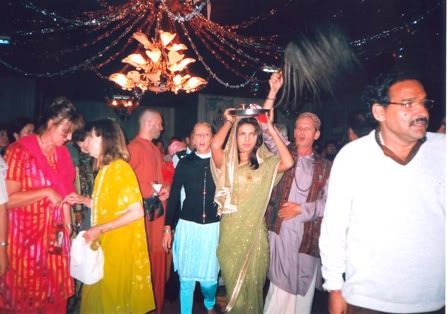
(209, 70)
(85, 64)
(186, 17)
(93, 18)
(107, 31)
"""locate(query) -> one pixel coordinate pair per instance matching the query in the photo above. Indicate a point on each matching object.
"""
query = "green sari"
(243, 250)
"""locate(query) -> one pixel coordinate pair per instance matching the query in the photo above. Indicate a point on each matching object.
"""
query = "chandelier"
(162, 68)
(122, 105)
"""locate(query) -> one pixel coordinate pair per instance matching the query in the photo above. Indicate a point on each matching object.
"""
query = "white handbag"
(86, 264)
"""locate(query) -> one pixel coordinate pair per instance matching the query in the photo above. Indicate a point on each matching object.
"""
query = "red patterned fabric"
(167, 172)
(36, 281)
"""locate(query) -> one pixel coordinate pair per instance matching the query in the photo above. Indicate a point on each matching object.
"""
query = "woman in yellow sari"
(117, 222)
(245, 173)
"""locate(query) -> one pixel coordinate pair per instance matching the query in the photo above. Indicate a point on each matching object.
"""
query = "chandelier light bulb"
(162, 68)
(194, 82)
(135, 60)
(154, 55)
(166, 38)
(119, 79)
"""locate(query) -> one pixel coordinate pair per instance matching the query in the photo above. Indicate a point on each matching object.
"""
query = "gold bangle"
(269, 98)
(166, 230)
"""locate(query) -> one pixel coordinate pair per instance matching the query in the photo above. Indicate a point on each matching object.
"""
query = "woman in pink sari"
(40, 174)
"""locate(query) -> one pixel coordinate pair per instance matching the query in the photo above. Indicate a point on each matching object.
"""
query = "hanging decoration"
(163, 68)
(65, 42)
(107, 36)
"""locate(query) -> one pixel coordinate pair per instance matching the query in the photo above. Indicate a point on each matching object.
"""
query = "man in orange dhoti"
(147, 164)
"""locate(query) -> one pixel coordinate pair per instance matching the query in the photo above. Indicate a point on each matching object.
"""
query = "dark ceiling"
(391, 38)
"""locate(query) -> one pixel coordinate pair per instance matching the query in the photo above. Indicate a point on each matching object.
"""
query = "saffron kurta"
(126, 286)
(36, 280)
(146, 161)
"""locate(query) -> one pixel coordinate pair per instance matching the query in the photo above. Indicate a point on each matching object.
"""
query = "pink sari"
(37, 280)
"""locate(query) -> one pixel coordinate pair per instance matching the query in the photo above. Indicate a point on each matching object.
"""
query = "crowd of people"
(246, 204)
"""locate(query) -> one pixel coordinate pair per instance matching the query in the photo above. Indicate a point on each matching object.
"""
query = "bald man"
(146, 161)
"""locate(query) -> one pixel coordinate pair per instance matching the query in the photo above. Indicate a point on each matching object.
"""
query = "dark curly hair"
(253, 162)
(359, 122)
(378, 91)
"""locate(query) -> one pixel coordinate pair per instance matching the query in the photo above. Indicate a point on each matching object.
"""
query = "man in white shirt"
(384, 221)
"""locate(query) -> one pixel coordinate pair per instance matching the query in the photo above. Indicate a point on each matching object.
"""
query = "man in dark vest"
(293, 218)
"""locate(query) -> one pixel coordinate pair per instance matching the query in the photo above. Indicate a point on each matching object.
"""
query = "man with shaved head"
(147, 164)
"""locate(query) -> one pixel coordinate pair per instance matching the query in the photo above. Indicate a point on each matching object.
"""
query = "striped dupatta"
(36, 280)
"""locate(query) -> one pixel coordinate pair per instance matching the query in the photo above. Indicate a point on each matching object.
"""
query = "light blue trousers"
(208, 289)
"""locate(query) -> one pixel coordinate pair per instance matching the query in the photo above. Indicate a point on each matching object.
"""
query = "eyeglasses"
(411, 104)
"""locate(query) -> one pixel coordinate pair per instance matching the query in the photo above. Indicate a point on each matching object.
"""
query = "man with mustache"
(384, 221)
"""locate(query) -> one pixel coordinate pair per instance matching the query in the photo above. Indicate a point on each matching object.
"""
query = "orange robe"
(147, 164)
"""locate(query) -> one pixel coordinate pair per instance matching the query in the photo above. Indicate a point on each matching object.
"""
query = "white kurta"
(384, 226)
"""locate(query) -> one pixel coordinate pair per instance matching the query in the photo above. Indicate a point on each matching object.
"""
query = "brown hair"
(112, 141)
(253, 161)
(59, 110)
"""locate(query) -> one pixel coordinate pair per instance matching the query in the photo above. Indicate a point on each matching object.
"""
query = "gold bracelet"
(166, 230)
(231, 123)
(269, 98)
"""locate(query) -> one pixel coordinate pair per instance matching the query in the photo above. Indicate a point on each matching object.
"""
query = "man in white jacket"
(384, 221)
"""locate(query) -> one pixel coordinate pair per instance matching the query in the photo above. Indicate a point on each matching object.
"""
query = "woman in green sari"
(245, 173)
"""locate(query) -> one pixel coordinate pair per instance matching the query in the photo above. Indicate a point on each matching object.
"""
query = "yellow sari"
(126, 286)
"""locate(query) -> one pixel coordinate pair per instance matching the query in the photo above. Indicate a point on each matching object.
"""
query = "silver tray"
(249, 112)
